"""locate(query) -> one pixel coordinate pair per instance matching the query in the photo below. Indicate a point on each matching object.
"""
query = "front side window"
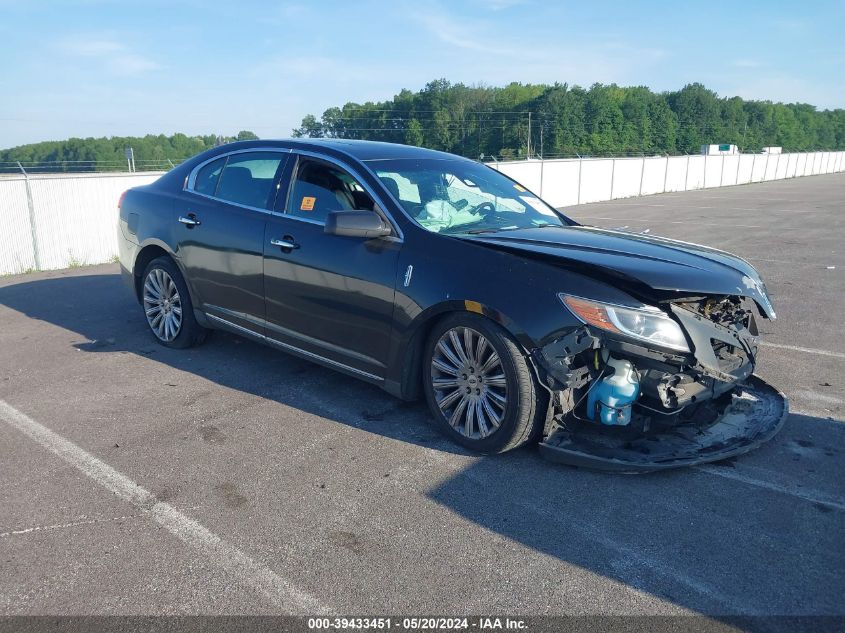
(455, 196)
(320, 188)
(249, 178)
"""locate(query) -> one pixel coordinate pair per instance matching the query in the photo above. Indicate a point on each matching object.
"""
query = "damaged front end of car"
(640, 387)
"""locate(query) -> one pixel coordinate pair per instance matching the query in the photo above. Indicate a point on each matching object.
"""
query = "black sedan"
(430, 274)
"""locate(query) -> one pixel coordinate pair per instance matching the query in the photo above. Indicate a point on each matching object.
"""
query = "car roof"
(360, 150)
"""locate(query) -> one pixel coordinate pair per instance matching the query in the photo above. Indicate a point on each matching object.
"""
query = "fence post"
(686, 176)
(580, 161)
(642, 175)
(753, 163)
(542, 165)
(738, 163)
(722, 172)
(777, 164)
(666, 172)
(612, 176)
(36, 256)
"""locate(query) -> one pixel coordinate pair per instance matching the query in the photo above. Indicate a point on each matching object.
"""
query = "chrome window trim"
(294, 349)
(192, 177)
(188, 186)
(377, 198)
(190, 181)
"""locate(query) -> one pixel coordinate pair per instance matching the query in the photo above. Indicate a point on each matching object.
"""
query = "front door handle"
(190, 220)
(286, 243)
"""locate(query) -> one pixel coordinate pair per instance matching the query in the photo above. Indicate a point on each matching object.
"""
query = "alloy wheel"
(469, 382)
(162, 305)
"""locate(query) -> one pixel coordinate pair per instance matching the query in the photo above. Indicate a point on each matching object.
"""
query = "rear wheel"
(479, 385)
(167, 306)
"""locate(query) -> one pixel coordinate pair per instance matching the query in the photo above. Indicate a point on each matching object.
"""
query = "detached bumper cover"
(755, 414)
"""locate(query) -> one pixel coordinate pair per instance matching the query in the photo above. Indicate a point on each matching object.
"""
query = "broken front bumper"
(753, 415)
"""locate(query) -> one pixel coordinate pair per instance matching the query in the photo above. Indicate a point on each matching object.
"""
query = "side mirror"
(366, 224)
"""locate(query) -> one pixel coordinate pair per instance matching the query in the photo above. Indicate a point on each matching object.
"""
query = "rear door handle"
(286, 242)
(189, 220)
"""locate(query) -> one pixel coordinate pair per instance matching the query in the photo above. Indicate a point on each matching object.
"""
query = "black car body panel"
(364, 306)
(656, 263)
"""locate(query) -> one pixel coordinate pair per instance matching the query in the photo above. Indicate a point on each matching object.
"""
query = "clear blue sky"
(126, 67)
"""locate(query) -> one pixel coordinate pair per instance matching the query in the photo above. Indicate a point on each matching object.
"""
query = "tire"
(448, 371)
(167, 306)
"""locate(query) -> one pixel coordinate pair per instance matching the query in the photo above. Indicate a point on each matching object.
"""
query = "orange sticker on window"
(519, 188)
(307, 203)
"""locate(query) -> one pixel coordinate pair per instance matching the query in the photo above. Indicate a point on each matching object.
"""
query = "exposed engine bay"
(625, 405)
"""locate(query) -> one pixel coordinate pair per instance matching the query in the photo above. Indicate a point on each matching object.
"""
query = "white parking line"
(205, 543)
(806, 350)
(813, 496)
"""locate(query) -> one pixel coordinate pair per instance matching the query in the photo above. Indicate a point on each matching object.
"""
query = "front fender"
(433, 313)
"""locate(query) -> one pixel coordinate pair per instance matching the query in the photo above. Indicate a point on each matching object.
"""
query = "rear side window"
(207, 177)
(320, 188)
(249, 178)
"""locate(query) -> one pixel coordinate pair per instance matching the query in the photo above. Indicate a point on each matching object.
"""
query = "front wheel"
(479, 385)
(167, 306)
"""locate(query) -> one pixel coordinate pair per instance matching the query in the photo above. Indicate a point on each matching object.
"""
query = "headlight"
(646, 323)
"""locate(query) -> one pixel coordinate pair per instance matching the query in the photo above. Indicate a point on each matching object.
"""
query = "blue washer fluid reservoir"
(610, 401)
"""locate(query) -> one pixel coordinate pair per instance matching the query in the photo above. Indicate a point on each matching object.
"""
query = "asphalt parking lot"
(232, 478)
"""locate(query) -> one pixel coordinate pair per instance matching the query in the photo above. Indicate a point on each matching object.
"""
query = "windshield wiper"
(477, 231)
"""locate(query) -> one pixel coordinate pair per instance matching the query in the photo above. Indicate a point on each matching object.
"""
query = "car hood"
(659, 263)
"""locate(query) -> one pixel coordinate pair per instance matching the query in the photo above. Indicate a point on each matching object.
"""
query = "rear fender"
(149, 250)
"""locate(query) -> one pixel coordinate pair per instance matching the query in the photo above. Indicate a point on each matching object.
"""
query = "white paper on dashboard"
(538, 205)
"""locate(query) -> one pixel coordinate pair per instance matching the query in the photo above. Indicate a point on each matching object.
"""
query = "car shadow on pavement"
(100, 308)
(713, 540)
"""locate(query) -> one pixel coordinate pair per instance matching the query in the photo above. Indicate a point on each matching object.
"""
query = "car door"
(327, 295)
(223, 213)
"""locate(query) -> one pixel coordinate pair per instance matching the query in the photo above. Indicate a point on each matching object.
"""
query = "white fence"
(571, 181)
(50, 221)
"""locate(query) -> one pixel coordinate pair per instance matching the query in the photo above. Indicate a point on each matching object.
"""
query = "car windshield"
(457, 196)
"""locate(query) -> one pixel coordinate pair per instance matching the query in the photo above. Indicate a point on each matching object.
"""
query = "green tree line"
(562, 120)
(108, 154)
